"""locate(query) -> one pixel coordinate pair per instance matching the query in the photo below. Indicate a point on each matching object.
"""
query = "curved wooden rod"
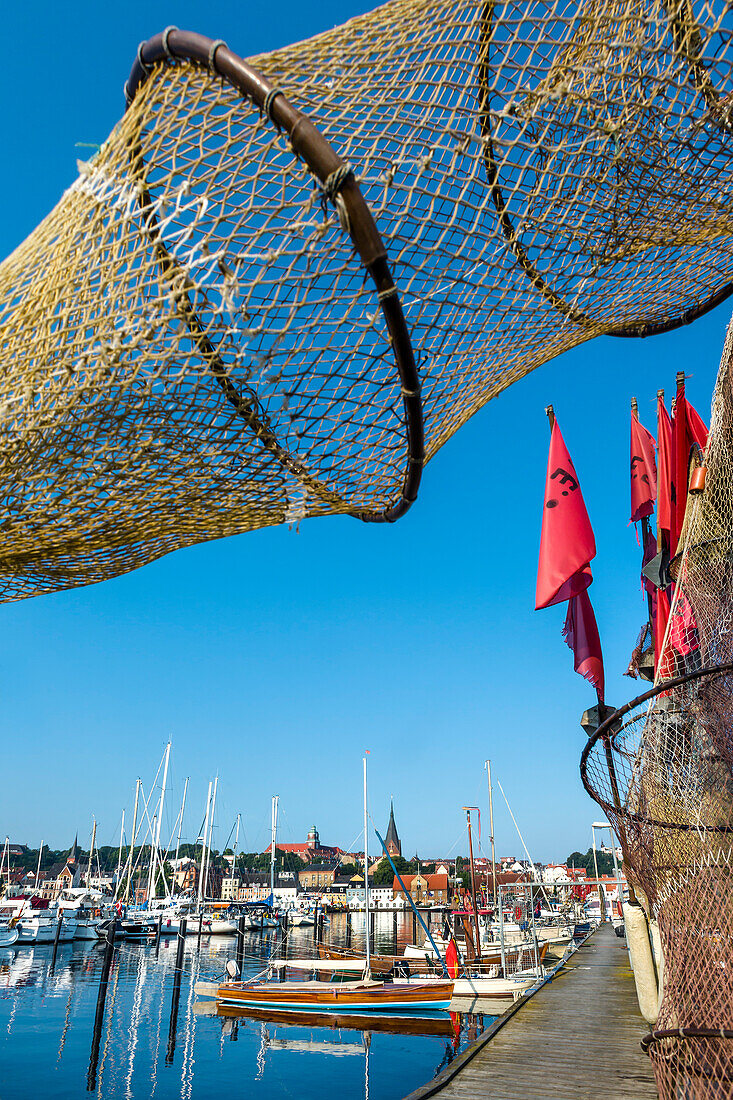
(639, 328)
(605, 732)
(339, 185)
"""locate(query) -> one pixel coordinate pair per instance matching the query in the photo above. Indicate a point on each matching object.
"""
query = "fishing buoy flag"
(567, 547)
(643, 471)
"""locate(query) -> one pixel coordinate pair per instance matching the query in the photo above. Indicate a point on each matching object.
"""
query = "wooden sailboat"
(363, 995)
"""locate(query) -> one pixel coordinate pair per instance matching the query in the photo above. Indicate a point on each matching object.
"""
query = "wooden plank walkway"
(576, 1037)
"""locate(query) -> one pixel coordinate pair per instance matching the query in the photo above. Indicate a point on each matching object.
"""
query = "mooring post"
(372, 924)
(158, 932)
(241, 926)
(59, 922)
(348, 928)
(315, 925)
(109, 948)
(175, 996)
(414, 928)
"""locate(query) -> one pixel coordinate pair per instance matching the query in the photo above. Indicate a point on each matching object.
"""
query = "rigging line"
(529, 857)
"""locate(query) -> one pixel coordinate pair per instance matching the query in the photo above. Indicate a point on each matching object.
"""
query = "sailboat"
(363, 995)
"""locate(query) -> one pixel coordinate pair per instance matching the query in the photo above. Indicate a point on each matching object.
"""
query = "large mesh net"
(664, 774)
(204, 336)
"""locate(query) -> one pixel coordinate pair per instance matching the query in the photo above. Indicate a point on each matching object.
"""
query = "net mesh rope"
(666, 780)
(189, 345)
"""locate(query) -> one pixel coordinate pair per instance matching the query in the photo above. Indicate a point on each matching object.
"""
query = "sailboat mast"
(38, 868)
(151, 863)
(236, 845)
(203, 847)
(491, 826)
(119, 854)
(473, 882)
(273, 841)
(211, 828)
(134, 835)
(156, 840)
(91, 850)
(367, 967)
(180, 823)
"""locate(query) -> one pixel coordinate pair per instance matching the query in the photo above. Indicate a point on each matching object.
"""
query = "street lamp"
(605, 825)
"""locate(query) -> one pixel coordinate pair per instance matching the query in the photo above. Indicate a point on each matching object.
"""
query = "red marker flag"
(643, 471)
(451, 959)
(688, 428)
(581, 634)
(683, 633)
(664, 479)
(567, 544)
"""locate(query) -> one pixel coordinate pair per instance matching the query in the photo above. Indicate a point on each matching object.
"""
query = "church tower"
(392, 840)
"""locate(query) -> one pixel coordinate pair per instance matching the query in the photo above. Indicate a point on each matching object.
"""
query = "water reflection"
(122, 1023)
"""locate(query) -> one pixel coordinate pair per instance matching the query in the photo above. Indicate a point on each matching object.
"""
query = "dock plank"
(577, 1037)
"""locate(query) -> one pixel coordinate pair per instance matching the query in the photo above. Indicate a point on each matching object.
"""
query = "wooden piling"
(59, 922)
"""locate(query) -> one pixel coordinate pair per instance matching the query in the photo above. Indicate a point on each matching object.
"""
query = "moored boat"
(357, 996)
(8, 935)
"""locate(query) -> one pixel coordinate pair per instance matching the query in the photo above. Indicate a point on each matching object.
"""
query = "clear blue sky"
(275, 658)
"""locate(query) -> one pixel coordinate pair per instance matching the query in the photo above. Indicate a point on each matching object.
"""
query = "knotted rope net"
(279, 288)
(664, 774)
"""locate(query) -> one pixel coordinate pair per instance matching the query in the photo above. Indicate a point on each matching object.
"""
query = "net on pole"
(664, 775)
(210, 333)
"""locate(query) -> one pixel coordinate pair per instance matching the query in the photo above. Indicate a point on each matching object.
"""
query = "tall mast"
(473, 882)
(119, 854)
(236, 844)
(160, 807)
(211, 828)
(134, 835)
(273, 841)
(151, 864)
(38, 868)
(491, 827)
(180, 823)
(203, 849)
(91, 850)
(367, 967)
(6, 852)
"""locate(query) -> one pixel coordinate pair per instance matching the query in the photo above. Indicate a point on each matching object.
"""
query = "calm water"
(47, 1028)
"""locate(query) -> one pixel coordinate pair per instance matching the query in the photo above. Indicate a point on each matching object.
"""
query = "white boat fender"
(642, 962)
(658, 958)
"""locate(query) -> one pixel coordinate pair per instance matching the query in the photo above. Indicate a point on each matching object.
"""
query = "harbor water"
(62, 1034)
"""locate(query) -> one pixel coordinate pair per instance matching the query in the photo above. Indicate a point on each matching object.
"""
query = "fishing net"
(664, 774)
(279, 288)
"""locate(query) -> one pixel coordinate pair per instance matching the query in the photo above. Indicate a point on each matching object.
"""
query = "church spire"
(392, 840)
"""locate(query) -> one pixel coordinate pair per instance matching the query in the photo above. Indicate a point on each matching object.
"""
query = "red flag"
(643, 471)
(581, 634)
(687, 429)
(664, 478)
(665, 666)
(567, 544)
(683, 634)
(451, 959)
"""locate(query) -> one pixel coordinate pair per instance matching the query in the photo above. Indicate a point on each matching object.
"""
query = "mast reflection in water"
(121, 1023)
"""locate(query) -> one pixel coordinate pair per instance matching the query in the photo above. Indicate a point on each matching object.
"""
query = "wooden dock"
(578, 1037)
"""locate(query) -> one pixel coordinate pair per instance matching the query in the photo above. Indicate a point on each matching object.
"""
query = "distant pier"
(578, 1037)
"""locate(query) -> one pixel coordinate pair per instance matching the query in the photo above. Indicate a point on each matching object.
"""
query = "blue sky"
(275, 658)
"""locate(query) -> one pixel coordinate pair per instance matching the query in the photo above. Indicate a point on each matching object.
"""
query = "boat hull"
(330, 997)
